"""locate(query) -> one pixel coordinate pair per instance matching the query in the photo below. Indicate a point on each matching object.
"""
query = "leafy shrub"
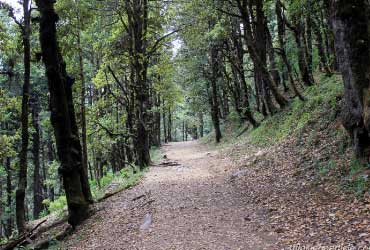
(56, 206)
(106, 180)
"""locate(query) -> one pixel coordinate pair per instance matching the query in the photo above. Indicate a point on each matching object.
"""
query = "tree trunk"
(165, 137)
(183, 130)
(297, 28)
(22, 181)
(308, 38)
(1, 207)
(9, 223)
(201, 125)
(169, 127)
(63, 117)
(37, 183)
(283, 54)
(351, 25)
(320, 47)
(51, 158)
(83, 108)
(137, 15)
(215, 75)
(255, 45)
(329, 36)
(186, 131)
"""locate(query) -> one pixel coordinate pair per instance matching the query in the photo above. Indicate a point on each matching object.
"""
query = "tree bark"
(63, 117)
(1, 207)
(165, 137)
(253, 45)
(169, 127)
(283, 54)
(83, 109)
(297, 28)
(201, 125)
(308, 38)
(215, 75)
(320, 47)
(9, 222)
(137, 12)
(351, 25)
(22, 178)
(37, 182)
(51, 158)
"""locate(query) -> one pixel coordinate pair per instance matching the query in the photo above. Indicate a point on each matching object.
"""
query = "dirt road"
(191, 205)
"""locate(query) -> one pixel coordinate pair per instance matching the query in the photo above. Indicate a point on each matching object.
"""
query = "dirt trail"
(194, 206)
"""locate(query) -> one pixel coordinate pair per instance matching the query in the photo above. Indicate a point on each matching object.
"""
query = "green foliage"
(325, 167)
(294, 118)
(56, 206)
(124, 179)
(106, 180)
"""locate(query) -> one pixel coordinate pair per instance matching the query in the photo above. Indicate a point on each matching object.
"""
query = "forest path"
(193, 206)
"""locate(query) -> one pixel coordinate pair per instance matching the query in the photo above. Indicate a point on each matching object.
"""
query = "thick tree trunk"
(22, 179)
(63, 117)
(37, 182)
(137, 12)
(352, 39)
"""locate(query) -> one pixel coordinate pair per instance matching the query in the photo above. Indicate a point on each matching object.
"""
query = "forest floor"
(193, 205)
(206, 198)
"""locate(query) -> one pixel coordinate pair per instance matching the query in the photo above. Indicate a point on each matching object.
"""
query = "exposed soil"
(194, 205)
(200, 198)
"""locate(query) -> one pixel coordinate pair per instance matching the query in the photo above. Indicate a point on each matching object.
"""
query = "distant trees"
(268, 52)
(127, 100)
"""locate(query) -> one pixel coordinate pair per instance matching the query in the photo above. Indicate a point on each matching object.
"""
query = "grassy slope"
(312, 125)
(300, 170)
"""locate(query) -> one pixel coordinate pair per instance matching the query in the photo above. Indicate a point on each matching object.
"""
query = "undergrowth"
(124, 179)
(323, 95)
(307, 121)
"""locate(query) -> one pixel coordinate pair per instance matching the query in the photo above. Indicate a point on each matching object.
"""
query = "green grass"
(357, 183)
(320, 97)
(124, 179)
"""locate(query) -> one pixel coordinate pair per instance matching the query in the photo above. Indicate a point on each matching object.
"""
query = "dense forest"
(90, 90)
